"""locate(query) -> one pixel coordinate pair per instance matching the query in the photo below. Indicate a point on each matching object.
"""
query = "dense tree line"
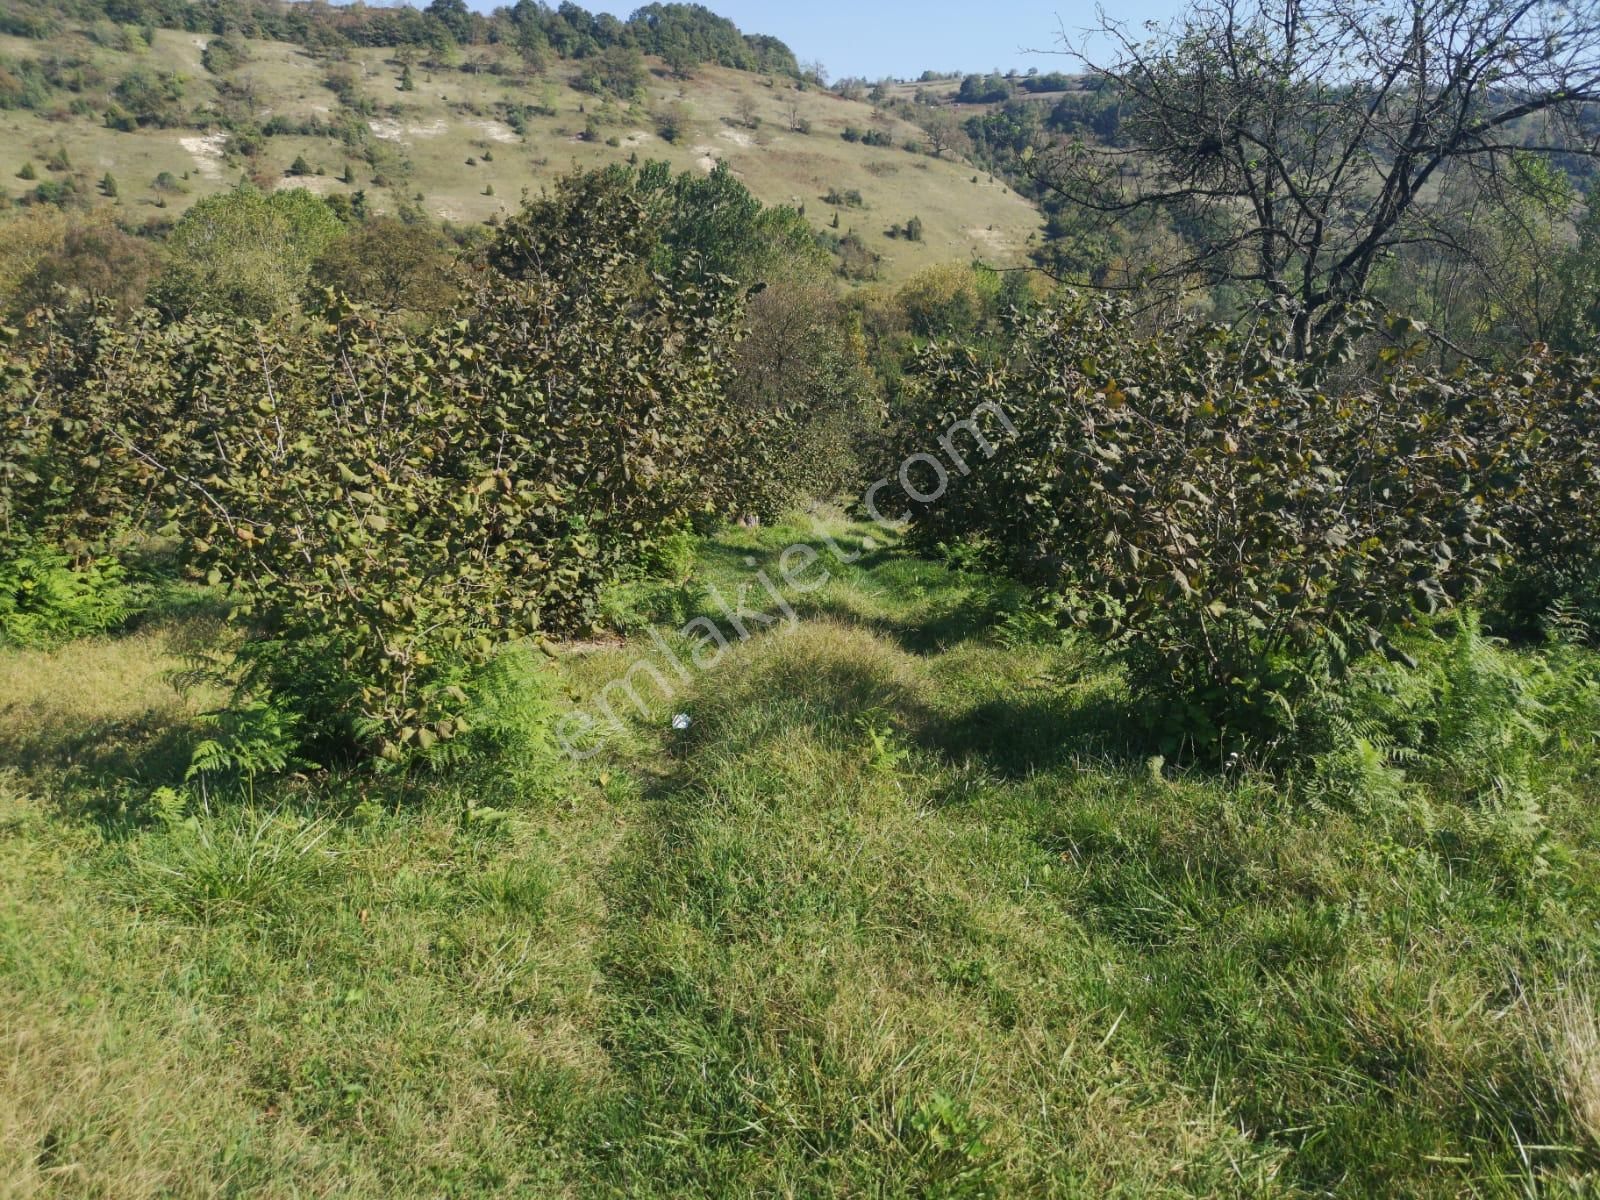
(682, 33)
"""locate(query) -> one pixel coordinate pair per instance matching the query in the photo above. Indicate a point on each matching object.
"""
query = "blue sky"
(904, 38)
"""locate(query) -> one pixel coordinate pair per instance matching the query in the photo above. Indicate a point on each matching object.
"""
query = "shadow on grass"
(89, 731)
(1014, 737)
(724, 559)
(97, 770)
(729, 567)
(181, 605)
(969, 620)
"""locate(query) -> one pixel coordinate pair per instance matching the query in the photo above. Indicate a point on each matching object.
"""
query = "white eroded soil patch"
(393, 131)
(495, 131)
(206, 150)
(993, 238)
(319, 185)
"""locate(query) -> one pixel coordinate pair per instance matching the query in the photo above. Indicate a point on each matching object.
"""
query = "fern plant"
(886, 753)
(505, 744)
(46, 600)
(254, 736)
(1463, 740)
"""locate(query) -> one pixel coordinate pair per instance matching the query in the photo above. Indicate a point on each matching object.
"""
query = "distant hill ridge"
(678, 33)
(442, 114)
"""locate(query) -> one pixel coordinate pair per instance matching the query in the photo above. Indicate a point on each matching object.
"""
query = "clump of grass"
(522, 888)
(1576, 1054)
(241, 864)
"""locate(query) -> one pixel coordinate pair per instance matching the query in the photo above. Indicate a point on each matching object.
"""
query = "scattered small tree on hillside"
(94, 261)
(245, 252)
(944, 133)
(672, 122)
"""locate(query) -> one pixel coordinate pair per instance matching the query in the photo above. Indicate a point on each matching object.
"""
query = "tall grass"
(909, 910)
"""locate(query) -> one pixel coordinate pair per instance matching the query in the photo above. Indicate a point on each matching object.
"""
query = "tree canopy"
(1301, 145)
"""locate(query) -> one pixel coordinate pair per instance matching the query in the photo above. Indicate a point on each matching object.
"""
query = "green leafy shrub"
(388, 508)
(673, 556)
(1549, 408)
(245, 252)
(22, 84)
(222, 55)
(672, 122)
(1240, 528)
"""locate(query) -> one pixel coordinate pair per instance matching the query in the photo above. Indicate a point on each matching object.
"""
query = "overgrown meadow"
(909, 909)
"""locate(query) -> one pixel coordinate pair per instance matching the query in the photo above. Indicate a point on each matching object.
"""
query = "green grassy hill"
(411, 147)
(904, 912)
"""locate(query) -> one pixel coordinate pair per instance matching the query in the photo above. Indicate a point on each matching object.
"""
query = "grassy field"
(907, 910)
(424, 137)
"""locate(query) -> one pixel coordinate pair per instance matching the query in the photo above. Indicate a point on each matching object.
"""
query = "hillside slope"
(464, 142)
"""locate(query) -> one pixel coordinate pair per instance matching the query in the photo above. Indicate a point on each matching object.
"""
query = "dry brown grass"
(1576, 1053)
(430, 132)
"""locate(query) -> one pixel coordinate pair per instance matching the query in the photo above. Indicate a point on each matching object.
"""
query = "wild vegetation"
(910, 907)
(444, 119)
(621, 699)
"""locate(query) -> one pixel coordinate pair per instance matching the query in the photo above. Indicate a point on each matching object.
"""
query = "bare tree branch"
(1300, 143)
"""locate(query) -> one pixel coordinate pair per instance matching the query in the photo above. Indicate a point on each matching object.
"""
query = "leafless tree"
(1298, 144)
(944, 132)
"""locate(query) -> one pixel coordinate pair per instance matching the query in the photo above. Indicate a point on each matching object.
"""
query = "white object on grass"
(681, 721)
